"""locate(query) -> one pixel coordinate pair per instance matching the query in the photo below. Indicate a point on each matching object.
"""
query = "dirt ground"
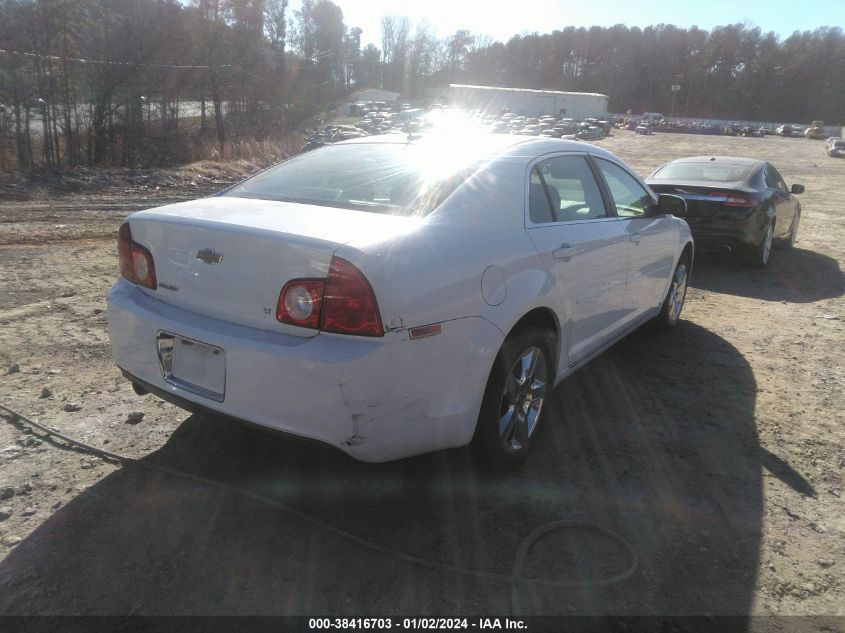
(715, 452)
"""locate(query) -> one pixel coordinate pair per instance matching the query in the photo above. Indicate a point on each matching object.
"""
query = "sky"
(502, 20)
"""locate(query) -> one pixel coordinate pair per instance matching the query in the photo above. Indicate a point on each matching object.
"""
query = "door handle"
(565, 252)
(635, 237)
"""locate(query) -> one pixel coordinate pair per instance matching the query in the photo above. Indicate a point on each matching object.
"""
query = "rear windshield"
(712, 172)
(399, 179)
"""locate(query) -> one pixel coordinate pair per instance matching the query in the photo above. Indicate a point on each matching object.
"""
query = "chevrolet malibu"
(391, 296)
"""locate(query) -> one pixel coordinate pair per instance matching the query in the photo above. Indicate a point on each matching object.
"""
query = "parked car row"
(549, 126)
(815, 131)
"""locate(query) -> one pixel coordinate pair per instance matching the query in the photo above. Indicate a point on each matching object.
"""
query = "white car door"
(651, 240)
(583, 247)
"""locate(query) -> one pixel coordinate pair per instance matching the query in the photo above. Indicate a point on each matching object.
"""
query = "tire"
(789, 242)
(670, 311)
(511, 414)
(761, 254)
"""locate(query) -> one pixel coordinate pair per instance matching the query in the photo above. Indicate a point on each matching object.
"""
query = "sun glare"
(454, 148)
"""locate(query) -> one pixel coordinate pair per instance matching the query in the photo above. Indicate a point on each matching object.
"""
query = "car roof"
(489, 145)
(484, 141)
(723, 160)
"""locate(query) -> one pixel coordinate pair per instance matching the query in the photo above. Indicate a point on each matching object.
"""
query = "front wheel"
(789, 242)
(670, 312)
(512, 409)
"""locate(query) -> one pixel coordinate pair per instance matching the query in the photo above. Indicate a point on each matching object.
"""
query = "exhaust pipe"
(724, 249)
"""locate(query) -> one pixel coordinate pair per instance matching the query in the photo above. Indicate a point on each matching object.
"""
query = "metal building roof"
(531, 91)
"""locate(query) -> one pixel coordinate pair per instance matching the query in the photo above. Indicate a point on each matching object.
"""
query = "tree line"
(150, 82)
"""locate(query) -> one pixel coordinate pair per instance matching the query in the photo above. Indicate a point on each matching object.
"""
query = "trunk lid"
(227, 258)
(702, 201)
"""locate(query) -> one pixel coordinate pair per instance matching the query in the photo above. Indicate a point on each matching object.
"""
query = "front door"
(584, 249)
(651, 240)
(784, 203)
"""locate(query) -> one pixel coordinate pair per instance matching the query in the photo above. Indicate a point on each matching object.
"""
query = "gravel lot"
(715, 452)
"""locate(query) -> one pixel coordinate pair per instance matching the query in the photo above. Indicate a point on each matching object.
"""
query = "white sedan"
(392, 296)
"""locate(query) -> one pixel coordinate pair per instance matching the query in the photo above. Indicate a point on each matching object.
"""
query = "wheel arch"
(688, 250)
(544, 318)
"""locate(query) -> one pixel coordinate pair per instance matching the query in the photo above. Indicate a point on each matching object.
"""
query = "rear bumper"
(376, 399)
(738, 232)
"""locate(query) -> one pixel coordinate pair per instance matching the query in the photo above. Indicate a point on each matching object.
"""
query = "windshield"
(714, 172)
(395, 178)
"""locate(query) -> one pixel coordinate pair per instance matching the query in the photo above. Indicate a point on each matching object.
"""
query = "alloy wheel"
(767, 244)
(793, 236)
(677, 292)
(522, 399)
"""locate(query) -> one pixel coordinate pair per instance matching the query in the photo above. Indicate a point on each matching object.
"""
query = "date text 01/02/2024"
(415, 624)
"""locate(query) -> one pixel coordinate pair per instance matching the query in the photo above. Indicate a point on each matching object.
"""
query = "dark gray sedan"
(734, 205)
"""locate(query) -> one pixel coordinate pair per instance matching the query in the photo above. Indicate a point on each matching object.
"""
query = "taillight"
(343, 303)
(740, 201)
(300, 301)
(349, 305)
(733, 200)
(136, 262)
(124, 248)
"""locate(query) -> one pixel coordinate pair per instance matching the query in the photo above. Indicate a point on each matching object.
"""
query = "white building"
(492, 100)
(375, 94)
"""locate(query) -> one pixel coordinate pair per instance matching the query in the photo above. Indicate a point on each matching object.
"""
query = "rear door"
(582, 246)
(651, 239)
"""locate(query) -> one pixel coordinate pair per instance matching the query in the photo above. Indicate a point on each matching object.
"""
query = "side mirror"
(667, 204)
(797, 189)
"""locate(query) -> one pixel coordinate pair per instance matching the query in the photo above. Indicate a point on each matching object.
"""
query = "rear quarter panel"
(435, 273)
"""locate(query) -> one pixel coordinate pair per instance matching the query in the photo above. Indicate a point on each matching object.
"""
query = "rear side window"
(539, 206)
(769, 177)
(566, 186)
(630, 197)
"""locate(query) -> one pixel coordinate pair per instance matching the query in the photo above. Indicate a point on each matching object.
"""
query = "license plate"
(193, 365)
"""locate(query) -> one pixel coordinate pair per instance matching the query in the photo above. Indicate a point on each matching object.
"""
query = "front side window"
(567, 186)
(779, 183)
(630, 197)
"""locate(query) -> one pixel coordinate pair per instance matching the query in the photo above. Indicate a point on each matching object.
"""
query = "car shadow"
(650, 452)
(795, 276)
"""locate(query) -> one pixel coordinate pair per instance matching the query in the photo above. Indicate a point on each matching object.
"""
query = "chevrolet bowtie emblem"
(209, 256)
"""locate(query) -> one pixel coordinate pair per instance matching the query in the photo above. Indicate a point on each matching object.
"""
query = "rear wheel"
(512, 409)
(670, 312)
(761, 254)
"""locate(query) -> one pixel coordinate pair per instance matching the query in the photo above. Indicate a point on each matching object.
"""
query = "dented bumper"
(376, 399)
